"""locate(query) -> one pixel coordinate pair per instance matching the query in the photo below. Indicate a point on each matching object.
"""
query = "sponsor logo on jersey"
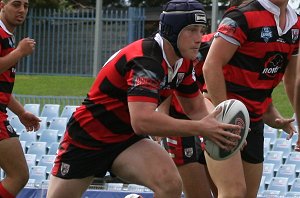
(188, 152)
(273, 65)
(266, 34)
(64, 169)
(295, 35)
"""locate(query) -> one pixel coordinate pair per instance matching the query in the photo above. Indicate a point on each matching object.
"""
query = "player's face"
(13, 12)
(189, 40)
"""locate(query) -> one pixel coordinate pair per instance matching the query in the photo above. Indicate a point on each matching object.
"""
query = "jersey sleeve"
(144, 80)
(234, 27)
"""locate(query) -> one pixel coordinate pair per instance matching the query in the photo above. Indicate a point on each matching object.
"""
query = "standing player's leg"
(147, 163)
(13, 162)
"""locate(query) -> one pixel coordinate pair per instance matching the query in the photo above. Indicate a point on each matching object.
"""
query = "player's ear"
(2, 4)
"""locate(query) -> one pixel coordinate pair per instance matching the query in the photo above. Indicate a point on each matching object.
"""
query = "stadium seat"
(268, 172)
(16, 124)
(38, 173)
(23, 144)
(33, 108)
(282, 144)
(292, 194)
(9, 113)
(271, 133)
(45, 183)
(43, 125)
(49, 136)
(30, 159)
(267, 146)
(47, 160)
(38, 148)
(279, 184)
(262, 185)
(28, 137)
(288, 171)
(68, 111)
(295, 186)
(271, 194)
(50, 111)
(53, 148)
(30, 183)
(59, 124)
(2, 174)
(294, 158)
(135, 188)
(274, 157)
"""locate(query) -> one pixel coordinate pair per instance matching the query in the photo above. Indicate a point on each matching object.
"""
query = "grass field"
(79, 86)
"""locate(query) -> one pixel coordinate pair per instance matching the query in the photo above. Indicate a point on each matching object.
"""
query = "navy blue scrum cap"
(178, 14)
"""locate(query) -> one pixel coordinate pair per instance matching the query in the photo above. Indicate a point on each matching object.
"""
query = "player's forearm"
(15, 106)
(10, 60)
(271, 115)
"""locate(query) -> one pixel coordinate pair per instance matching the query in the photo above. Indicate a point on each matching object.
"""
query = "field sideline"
(79, 86)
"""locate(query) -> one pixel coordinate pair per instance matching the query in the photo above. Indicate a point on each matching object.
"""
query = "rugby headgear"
(178, 14)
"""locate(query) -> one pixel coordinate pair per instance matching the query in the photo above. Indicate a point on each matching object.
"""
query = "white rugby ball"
(233, 112)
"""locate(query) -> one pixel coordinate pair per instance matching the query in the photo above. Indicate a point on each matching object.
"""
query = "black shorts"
(6, 130)
(184, 150)
(254, 151)
(73, 162)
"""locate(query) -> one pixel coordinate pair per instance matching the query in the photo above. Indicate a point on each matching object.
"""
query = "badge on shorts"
(10, 128)
(188, 152)
(64, 169)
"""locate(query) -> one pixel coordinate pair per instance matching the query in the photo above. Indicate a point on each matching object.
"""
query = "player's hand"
(30, 121)
(219, 132)
(26, 46)
(287, 126)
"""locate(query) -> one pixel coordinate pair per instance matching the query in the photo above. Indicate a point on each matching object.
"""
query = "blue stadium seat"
(43, 125)
(271, 193)
(295, 187)
(28, 137)
(50, 111)
(2, 174)
(68, 111)
(268, 172)
(275, 157)
(59, 124)
(267, 145)
(38, 148)
(30, 159)
(114, 186)
(53, 148)
(282, 144)
(10, 114)
(294, 158)
(38, 173)
(292, 194)
(30, 183)
(262, 185)
(33, 108)
(49, 136)
(23, 144)
(47, 160)
(279, 184)
(288, 171)
(16, 124)
(271, 133)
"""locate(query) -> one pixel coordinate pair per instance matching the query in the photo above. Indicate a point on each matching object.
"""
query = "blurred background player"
(12, 159)
(109, 131)
(234, 68)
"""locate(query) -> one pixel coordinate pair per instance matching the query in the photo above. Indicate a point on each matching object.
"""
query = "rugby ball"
(233, 112)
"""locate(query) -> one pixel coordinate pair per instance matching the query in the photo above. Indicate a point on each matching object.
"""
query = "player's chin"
(191, 56)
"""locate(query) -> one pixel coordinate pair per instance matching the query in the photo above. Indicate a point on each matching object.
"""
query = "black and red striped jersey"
(7, 78)
(263, 54)
(175, 108)
(136, 73)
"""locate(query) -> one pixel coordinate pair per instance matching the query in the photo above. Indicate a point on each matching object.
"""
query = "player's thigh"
(67, 188)
(195, 181)
(145, 163)
(226, 173)
(12, 159)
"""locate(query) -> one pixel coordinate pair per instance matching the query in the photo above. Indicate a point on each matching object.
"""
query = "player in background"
(235, 68)
(12, 159)
(109, 131)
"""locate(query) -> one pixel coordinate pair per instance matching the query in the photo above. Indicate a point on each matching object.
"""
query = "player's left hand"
(30, 121)
(287, 126)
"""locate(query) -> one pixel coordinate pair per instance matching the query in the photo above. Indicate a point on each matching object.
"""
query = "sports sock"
(4, 193)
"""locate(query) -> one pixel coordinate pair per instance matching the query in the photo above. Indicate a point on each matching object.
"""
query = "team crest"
(295, 35)
(266, 34)
(64, 169)
(188, 152)
(179, 78)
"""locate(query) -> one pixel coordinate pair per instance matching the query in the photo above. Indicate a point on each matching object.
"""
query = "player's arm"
(220, 52)
(25, 47)
(274, 119)
(290, 78)
(297, 102)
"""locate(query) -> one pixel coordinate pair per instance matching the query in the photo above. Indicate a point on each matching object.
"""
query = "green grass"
(79, 86)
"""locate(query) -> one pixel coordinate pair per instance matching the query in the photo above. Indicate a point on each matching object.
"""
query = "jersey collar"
(4, 28)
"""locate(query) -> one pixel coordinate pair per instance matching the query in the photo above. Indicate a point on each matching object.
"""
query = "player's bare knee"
(234, 192)
(170, 184)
